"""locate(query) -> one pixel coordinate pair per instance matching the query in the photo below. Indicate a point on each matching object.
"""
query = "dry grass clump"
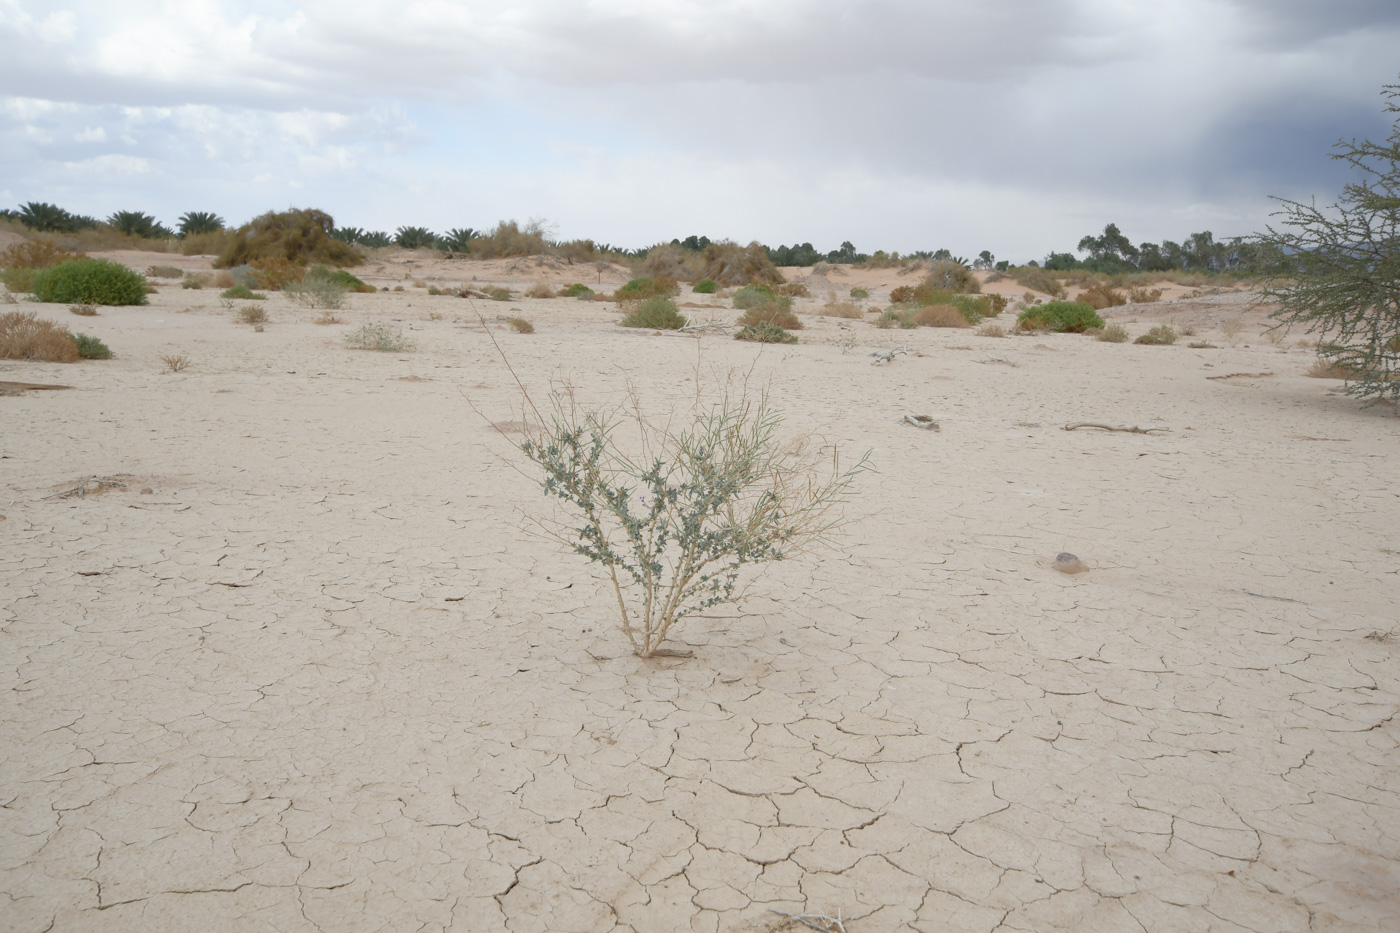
(540, 290)
(83, 310)
(730, 264)
(296, 238)
(838, 308)
(669, 261)
(211, 243)
(1102, 295)
(327, 317)
(21, 262)
(1113, 333)
(380, 337)
(991, 330)
(26, 336)
(771, 312)
(511, 239)
(1331, 369)
(793, 290)
(1163, 335)
(495, 293)
(1142, 295)
(765, 333)
(1038, 279)
(197, 280)
(164, 272)
(520, 325)
(252, 314)
(175, 362)
(940, 316)
(1232, 328)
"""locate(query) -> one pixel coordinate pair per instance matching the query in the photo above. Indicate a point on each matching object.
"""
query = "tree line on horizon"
(1109, 253)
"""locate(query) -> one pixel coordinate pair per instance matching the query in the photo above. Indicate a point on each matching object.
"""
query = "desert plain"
(282, 652)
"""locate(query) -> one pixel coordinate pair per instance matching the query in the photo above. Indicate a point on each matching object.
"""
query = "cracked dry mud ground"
(320, 678)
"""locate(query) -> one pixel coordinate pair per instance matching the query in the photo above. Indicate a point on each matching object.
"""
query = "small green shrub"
(657, 312)
(897, 317)
(1113, 333)
(497, 293)
(859, 294)
(650, 287)
(1038, 279)
(320, 287)
(751, 296)
(243, 292)
(1061, 317)
(381, 337)
(343, 278)
(1162, 335)
(765, 333)
(90, 281)
(91, 348)
(771, 312)
(706, 287)
(578, 290)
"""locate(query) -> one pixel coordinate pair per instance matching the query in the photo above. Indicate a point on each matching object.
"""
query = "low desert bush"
(498, 293)
(940, 316)
(648, 287)
(859, 294)
(83, 310)
(197, 280)
(164, 272)
(252, 314)
(1160, 336)
(1332, 369)
(1102, 295)
(674, 529)
(20, 263)
(381, 337)
(657, 312)
(509, 238)
(91, 348)
(205, 244)
(995, 304)
(1038, 279)
(729, 264)
(296, 237)
(175, 362)
(765, 333)
(520, 325)
(902, 294)
(26, 336)
(897, 317)
(327, 317)
(540, 290)
(793, 290)
(277, 273)
(1061, 317)
(706, 287)
(952, 276)
(771, 312)
(1113, 333)
(319, 287)
(90, 281)
(1142, 295)
(242, 292)
(991, 330)
(578, 290)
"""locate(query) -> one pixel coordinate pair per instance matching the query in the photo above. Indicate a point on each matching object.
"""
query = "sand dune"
(298, 664)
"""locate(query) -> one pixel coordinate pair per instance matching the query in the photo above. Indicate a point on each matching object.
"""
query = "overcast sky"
(1010, 125)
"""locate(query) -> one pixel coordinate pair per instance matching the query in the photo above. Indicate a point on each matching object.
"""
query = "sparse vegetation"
(83, 310)
(897, 316)
(647, 287)
(377, 336)
(496, 293)
(520, 325)
(675, 528)
(320, 287)
(706, 287)
(991, 330)
(842, 309)
(1142, 295)
(953, 276)
(327, 317)
(656, 312)
(775, 313)
(21, 262)
(939, 316)
(1232, 328)
(860, 294)
(1102, 295)
(1038, 279)
(729, 264)
(1113, 333)
(578, 290)
(26, 336)
(540, 290)
(751, 296)
(1061, 317)
(175, 362)
(252, 314)
(90, 281)
(1160, 336)
(164, 272)
(764, 332)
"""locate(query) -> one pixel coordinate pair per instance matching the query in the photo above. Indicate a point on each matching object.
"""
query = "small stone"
(258, 329)
(148, 491)
(1065, 562)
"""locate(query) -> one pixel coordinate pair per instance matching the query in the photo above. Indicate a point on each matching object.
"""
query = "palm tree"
(200, 222)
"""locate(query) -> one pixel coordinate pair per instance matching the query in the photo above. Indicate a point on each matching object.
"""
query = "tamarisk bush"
(676, 521)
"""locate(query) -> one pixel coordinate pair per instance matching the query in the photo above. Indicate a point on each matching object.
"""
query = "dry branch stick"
(1129, 428)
